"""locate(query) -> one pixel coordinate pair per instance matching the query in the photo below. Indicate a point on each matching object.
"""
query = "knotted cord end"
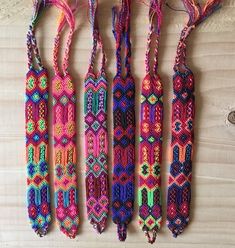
(151, 234)
(42, 231)
(151, 239)
(98, 226)
(122, 231)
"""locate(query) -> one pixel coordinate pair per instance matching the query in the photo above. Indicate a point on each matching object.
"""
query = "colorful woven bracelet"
(151, 122)
(36, 117)
(64, 133)
(124, 125)
(96, 134)
(183, 109)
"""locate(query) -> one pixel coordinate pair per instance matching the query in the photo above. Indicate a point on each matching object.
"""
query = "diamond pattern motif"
(38, 196)
(96, 150)
(64, 134)
(179, 189)
(150, 212)
(124, 142)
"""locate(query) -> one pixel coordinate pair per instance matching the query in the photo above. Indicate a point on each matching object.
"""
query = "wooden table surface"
(211, 55)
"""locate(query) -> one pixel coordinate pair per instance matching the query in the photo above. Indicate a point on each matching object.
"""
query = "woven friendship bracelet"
(183, 109)
(36, 117)
(64, 133)
(96, 134)
(124, 125)
(151, 122)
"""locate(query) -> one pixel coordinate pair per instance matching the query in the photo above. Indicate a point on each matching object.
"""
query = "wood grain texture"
(211, 56)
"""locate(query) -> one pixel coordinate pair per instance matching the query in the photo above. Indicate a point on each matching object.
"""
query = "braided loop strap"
(64, 133)
(96, 134)
(183, 112)
(124, 125)
(151, 122)
(36, 118)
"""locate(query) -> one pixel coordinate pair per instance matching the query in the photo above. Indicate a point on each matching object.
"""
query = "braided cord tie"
(64, 133)
(183, 112)
(96, 134)
(124, 126)
(151, 122)
(36, 118)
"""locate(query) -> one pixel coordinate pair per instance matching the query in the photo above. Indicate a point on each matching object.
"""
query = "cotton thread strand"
(36, 117)
(64, 131)
(151, 129)
(96, 134)
(124, 125)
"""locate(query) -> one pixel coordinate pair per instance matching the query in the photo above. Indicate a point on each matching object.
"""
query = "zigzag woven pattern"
(124, 125)
(179, 185)
(96, 133)
(37, 150)
(149, 191)
(64, 127)
(151, 125)
(124, 153)
(64, 132)
(96, 142)
(36, 118)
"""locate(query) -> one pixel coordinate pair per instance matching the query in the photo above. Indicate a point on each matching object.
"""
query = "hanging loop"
(34, 59)
(196, 15)
(151, 239)
(97, 40)
(68, 15)
(155, 21)
(121, 31)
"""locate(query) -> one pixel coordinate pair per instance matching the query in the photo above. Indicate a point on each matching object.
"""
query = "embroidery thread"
(64, 132)
(124, 125)
(183, 112)
(96, 134)
(151, 124)
(36, 117)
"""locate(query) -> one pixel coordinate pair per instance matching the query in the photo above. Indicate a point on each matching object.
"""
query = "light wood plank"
(211, 55)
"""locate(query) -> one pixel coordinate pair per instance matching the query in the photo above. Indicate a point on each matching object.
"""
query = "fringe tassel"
(197, 13)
